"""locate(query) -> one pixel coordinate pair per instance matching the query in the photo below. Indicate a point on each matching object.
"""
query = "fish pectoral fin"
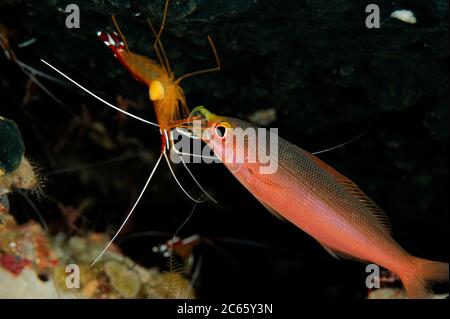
(338, 255)
(272, 211)
(333, 253)
(254, 175)
(250, 175)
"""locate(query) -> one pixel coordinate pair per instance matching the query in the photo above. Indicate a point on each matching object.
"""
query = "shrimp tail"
(418, 278)
(112, 41)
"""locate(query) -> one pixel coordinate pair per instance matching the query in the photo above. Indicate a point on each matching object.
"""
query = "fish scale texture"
(303, 178)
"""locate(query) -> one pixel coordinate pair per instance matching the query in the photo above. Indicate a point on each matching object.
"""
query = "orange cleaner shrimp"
(164, 91)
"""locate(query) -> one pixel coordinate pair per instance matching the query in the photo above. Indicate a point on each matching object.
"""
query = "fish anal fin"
(372, 207)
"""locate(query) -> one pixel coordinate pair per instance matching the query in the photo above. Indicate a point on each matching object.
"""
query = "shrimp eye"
(156, 91)
(221, 129)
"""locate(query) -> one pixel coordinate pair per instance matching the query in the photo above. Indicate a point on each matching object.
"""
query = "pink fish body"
(325, 204)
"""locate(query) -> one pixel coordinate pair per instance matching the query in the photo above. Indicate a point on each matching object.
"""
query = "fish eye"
(221, 130)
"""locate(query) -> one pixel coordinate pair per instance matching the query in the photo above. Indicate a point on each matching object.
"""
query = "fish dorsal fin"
(376, 211)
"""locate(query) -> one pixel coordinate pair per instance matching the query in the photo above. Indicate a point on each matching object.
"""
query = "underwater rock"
(263, 117)
(15, 170)
(12, 147)
(28, 286)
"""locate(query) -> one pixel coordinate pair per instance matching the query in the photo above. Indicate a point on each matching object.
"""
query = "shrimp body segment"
(167, 96)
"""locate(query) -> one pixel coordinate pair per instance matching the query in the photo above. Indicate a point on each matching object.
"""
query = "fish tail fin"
(422, 273)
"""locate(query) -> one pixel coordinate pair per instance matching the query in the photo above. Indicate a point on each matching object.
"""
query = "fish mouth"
(200, 126)
(203, 113)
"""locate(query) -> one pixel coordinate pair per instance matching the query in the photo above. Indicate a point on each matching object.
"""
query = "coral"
(33, 264)
(123, 278)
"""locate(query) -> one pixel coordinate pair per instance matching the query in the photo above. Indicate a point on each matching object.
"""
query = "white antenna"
(99, 98)
(129, 214)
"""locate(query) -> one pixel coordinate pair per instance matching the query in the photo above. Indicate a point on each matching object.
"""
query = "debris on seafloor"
(263, 117)
(34, 265)
(406, 16)
(390, 288)
(395, 293)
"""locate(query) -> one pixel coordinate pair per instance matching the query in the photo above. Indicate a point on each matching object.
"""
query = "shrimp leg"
(189, 171)
(196, 182)
(176, 179)
(214, 69)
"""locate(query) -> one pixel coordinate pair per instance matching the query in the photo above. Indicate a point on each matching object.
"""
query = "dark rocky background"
(328, 77)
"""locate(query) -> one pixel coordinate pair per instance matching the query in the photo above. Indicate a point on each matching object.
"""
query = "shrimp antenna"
(160, 52)
(175, 234)
(340, 145)
(99, 98)
(214, 69)
(30, 72)
(189, 171)
(198, 184)
(176, 179)
(196, 181)
(41, 74)
(130, 213)
(87, 166)
(116, 25)
(163, 23)
(36, 210)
